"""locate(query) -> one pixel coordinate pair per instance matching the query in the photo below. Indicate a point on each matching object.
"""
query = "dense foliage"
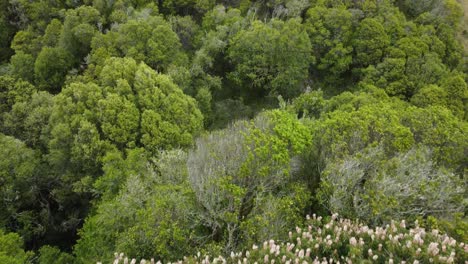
(166, 128)
(333, 240)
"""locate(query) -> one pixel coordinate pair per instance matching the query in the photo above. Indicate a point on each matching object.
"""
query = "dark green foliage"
(6, 33)
(308, 107)
(270, 59)
(370, 41)
(50, 68)
(330, 31)
(149, 39)
(18, 171)
(28, 119)
(79, 27)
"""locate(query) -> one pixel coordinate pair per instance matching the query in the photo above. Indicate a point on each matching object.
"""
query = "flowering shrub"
(334, 240)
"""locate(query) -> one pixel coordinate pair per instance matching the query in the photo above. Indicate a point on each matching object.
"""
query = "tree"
(270, 59)
(11, 249)
(148, 39)
(151, 215)
(52, 33)
(371, 187)
(6, 34)
(457, 94)
(130, 106)
(51, 68)
(28, 120)
(413, 62)
(370, 41)
(53, 255)
(21, 65)
(12, 91)
(233, 172)
(330, 31)
(430, 95)
(19, 172)
(79, 27)
(186, 7)
(26, 41)
(437, 128)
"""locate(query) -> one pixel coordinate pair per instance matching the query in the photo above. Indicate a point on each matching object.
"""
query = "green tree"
(430, 95)
(148, 39)
(27, 42)
(21, 66)
(28, 120)
(456, 89)
(369, 42)
(20, 190)
(12, 91)
(11, 249)
(234, 171)
(130, 106)
(186, 7)
(270, 59)
(377, 189)
(51, 68)
(151, 215)
(53, 255)
(330, 31)
(79, 27)
(6, 33)
(52, 33)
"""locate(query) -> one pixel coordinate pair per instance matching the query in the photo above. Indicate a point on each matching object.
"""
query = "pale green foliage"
(27, 42)
(309, 104)
(116, 169)
(52, 33)
(367, 119)
(12, 91)
(345, 132)
(457, 95)
(372, 187)
(234, 171)
(151, 215)
(430, 95)
(445, 134)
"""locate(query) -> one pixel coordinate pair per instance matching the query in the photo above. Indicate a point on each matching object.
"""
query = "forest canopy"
(164, 129)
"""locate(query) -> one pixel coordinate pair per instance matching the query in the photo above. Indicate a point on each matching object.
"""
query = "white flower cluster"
(344, 241)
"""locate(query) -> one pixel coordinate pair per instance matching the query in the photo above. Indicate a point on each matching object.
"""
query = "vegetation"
(332, 240)
(166, 129)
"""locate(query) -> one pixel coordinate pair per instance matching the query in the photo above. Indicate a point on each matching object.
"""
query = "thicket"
(166, 128)
(336, 240)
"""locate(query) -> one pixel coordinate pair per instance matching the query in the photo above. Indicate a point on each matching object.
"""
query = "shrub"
(335, 240)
